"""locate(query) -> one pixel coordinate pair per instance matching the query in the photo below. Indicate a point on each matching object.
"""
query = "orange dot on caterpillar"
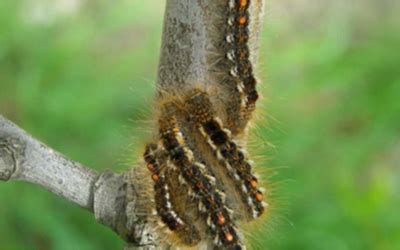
(154, 177)
(242, 3)
(259, 196)
(228, 236)
(253, 183)
(221, 219)
(242, 20)
(150, 167)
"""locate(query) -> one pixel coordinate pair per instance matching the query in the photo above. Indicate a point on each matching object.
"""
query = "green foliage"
(77, 81)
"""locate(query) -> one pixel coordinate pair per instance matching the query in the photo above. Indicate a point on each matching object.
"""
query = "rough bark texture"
(183, 58)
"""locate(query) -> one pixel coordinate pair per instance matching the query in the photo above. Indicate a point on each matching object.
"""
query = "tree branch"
(189, 35)
(183, 49)
(26, 159)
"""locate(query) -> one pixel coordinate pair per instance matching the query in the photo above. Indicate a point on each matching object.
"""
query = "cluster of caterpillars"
(235, 48)
(197, 173)
(196, 159)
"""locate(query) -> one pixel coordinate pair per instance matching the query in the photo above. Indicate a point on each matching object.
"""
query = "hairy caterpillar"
(226, 151)
(233, 60)
(198, 179)
(185, 124)
(204, 187)
(166, 208)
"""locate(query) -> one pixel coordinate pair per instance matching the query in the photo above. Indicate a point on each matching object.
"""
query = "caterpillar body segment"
(219, 221)
(183, 227)
(227, 152)
(235, 38)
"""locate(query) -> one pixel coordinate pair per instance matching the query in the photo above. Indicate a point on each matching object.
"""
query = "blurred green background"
(79, 75)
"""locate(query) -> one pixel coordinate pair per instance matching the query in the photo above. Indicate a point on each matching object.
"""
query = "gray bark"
(26, 159)
(183, 49)
(23, 158)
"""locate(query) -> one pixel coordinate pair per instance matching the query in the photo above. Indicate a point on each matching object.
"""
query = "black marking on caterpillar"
(227, 152)
(184, 229)
(236, 64)
(219, 220)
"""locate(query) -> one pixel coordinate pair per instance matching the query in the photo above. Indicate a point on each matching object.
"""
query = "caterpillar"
(201, 183)
(227, 152)
(184, 125)
(164, 204)
(233, 71)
